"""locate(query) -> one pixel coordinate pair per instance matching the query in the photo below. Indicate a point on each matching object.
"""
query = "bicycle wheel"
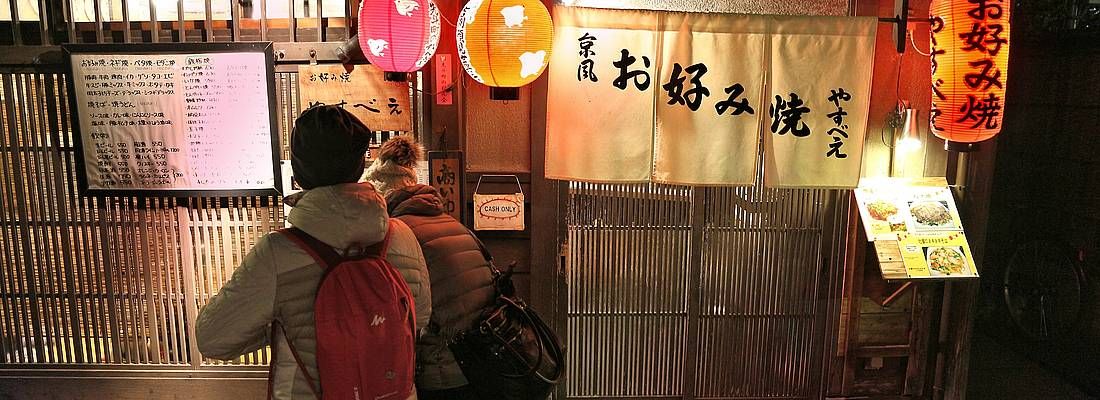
(1042, 288)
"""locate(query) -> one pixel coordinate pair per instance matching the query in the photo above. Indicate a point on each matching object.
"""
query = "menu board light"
(174, 119)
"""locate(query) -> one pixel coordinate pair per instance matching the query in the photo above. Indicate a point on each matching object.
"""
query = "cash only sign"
(499, 212)
(916, 229)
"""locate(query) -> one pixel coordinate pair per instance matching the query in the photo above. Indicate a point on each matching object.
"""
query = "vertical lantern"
(969, 69)
(398, 35)
(504, 43)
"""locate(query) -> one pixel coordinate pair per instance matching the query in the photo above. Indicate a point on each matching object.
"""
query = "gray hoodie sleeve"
(237, 320)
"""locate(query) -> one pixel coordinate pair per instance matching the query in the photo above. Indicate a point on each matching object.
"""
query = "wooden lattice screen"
(115, 280)
(119, 281)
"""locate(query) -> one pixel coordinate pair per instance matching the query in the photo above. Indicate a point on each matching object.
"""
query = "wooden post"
(187, 256)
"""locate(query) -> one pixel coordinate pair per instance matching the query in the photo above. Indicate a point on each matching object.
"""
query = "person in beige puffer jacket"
(277, 280)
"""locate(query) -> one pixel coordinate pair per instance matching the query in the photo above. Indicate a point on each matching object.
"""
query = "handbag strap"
(544, 338)
(501, 278)
(481, 247)
(543, 334)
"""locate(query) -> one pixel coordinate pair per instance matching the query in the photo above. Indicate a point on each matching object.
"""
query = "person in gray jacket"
(277, 280)
(462, 283)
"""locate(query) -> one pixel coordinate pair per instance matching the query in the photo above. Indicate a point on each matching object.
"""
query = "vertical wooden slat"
(43, 232)
(98, 22)
(111, 321)
(70, 19)
(117, 275)
(320, 21)
(66, 227)
(208, 23)
(126, 21)
(292, 21)
(698, 207)
(32, 274)
(155, 284)
(162, 284)
(187, 255)
(16, 34)
(172, 282)
(154, 22)
(137, 270)
(149, 264)
(21, 314)
(7, 227)
(121, 273)
(181, 20)
(263, 20)
(92, 310)
(175, 248)
(45, 214)
(235, 20)
(24, 209)
(79, 293)
(43, 23)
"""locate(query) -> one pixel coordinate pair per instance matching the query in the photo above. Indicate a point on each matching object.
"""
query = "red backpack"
(365, 323)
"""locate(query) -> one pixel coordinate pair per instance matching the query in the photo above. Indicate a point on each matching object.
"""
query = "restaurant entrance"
(719, 293)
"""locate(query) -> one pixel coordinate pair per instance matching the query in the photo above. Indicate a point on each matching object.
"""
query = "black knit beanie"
(327, 147)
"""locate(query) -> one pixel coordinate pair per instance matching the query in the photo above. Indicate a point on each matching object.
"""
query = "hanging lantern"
(969, 70)
(504, 43)
(398, 36)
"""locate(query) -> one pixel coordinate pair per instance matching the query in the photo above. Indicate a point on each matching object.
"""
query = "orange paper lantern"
(969, 68)
(504, 43)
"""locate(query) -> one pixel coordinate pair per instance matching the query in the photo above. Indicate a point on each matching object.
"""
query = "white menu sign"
(179, 123)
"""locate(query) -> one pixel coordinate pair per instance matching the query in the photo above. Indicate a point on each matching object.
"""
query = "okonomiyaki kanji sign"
(362, 90)
(969, 68)
(694, 98)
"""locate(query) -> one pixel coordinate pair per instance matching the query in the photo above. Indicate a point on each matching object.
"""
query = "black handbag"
(509, 353)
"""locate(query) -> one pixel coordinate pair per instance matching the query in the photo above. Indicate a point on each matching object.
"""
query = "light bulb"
(908, 144)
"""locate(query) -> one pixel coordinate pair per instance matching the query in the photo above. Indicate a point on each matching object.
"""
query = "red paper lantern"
(969, 68)
(399, 35)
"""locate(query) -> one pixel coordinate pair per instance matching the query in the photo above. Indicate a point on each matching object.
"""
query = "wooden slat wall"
(107, 280)
(120, 280)
(716, 293)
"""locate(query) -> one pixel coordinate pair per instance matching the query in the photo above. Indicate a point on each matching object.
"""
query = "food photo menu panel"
(175, 120)
(916, 229)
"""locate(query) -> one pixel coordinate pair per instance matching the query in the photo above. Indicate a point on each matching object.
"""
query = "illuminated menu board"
(175, 119)
(916, 228)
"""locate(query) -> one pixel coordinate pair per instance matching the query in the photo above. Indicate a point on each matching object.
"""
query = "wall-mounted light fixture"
(906, 138)
(909, 138)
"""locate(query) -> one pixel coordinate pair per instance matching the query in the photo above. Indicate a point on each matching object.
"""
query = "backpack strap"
(324, 254)
(379, 249)
(275, 328)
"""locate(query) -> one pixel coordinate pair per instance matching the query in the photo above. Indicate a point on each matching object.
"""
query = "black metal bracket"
(901, 23)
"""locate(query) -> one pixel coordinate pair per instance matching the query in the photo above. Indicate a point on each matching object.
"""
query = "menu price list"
(177, 122)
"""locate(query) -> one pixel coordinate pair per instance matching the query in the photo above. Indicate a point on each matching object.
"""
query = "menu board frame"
(267, 48)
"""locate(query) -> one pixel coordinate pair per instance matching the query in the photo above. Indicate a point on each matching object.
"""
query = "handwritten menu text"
(174, 121)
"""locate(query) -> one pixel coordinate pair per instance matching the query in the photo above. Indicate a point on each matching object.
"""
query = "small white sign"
(423, 177)
(498, 212)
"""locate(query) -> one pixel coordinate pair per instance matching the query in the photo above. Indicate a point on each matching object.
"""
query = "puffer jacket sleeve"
(236, 321)
(405, 255)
